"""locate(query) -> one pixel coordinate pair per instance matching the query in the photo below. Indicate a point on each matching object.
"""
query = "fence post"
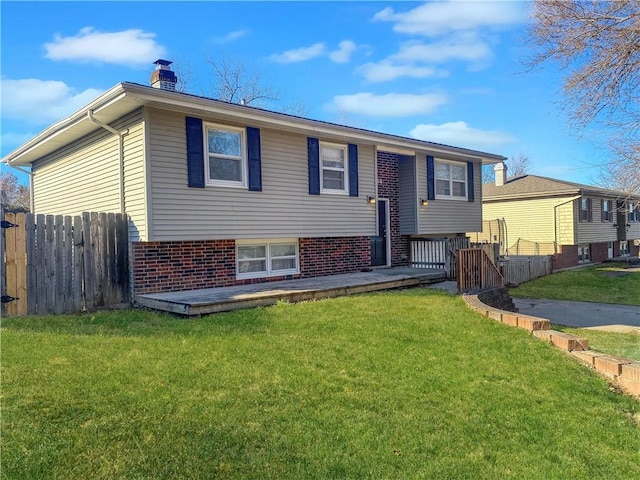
(3, 275)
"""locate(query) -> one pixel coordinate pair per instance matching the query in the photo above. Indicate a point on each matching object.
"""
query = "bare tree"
(16, 196)
(233, 83)
(518, 165)
(598, 44)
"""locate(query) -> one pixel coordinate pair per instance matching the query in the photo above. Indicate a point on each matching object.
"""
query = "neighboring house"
(224, 194)
(576, 223)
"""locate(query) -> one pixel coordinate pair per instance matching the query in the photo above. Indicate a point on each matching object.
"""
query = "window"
(585, 210)
(226, 154)
(264, 258)
(634, 212)
(624, 248)
(584, 254)
(333, 168)
(607, 214)
(451, 180)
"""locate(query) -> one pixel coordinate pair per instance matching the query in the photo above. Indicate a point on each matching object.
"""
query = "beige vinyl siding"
(283, 209)
(596, 231)
(447, 217)
(407, 195)
(84, 176)
(545, 220)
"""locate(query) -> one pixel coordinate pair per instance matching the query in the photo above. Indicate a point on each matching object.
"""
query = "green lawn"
(407, 384)
(619, 344)
(604, 283)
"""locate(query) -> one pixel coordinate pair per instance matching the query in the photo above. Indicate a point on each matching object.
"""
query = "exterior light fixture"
(371, 200)
(424, 202)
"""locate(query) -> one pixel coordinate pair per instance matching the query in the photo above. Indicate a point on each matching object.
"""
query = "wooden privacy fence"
(520, 269)
(476, 270)
(62, 264)
(436, 253)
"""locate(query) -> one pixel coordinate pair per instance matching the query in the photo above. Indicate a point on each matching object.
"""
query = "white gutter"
(30, 183)
(120, 136)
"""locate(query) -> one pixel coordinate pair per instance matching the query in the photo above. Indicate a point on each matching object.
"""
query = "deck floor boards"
(213, 300)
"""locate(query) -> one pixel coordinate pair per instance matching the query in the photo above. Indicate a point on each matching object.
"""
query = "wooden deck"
(214, 300)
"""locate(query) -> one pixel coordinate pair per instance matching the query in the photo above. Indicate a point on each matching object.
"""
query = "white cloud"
(343, 54)
(231, 36)
(387, 70)
(42, 101)
(437, 18)
(128, 47)
(300, 54)
(460, 133)
(466, 46)
(389, 105)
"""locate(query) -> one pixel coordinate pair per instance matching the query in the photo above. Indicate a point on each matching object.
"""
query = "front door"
(610, 250)
(379, 242)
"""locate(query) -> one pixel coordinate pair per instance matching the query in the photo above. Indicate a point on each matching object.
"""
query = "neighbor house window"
(264, 258)
(584, 254)
(634, 212)
(226, 155)
(451, 180)
(334, 172)
(585, 210)
(607, 213)
(624, 248)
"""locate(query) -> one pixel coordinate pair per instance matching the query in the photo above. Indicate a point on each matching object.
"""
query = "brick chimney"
(500, 169)
(163, 77)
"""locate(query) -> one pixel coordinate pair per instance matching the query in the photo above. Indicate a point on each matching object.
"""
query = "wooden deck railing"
(476, 270)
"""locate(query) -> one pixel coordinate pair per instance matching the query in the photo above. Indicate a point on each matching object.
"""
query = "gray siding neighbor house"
(224, 194)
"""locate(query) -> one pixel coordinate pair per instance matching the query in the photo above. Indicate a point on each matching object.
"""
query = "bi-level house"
(573, 222)
(222, 194)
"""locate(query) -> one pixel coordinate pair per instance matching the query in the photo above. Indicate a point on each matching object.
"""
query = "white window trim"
(588, 249)
(466, 181)
(633, 214)
(609, 212)
(243, 156)
(267, 243)
(333, 191)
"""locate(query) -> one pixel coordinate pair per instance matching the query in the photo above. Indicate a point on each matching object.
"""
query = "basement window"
(267, 258)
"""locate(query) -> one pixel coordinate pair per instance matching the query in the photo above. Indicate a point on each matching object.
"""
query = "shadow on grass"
(146, 323)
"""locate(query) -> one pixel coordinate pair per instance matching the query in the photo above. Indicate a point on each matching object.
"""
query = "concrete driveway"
(601, 316)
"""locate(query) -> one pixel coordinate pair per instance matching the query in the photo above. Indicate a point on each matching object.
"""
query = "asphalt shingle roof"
(534, 186)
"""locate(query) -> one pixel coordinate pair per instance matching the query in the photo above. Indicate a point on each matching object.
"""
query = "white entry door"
(610, 250)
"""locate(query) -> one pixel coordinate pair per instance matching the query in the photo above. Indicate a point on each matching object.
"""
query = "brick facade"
(567, 256)
(333, 256)
(598, 251)
(388, 181)
(187, 265)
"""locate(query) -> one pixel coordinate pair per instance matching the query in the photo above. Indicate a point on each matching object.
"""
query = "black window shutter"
(431, 178)
(590, 209)
(353, 170)
(254, 158)
(195, 152)
(313, 154)
(470, 182)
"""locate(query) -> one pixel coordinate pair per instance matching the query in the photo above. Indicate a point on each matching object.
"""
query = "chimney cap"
(160, 61)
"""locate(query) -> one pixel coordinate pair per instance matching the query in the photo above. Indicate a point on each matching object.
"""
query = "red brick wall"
(598, 251)
(388, 170)
(566, 257)
(334, 255)
(173, 266)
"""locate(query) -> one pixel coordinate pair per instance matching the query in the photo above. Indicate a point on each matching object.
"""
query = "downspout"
(555, 219)
(30, 173)
(120, 136)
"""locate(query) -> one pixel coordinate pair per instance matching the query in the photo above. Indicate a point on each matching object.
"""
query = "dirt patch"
(616, 273)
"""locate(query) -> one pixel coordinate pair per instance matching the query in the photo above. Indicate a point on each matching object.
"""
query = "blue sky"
(448, 71)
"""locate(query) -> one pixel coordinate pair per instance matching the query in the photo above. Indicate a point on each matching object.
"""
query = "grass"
(604, 283)
(625, 345)
(391, 385)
